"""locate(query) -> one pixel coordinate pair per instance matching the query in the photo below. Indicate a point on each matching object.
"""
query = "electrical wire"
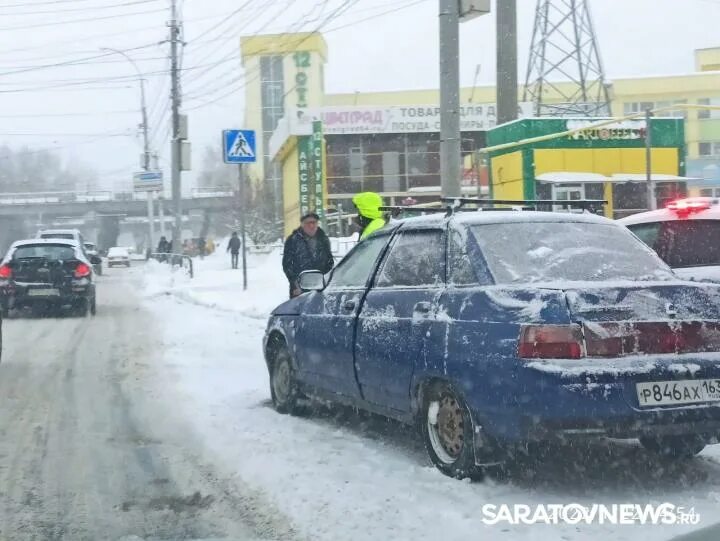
(76, 21)
(83, 9)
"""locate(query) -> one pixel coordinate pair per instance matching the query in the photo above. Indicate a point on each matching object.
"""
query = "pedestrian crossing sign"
(239, 146)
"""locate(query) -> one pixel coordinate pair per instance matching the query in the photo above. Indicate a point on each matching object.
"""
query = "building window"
(708, 113)
(709, 149)
(631, 108)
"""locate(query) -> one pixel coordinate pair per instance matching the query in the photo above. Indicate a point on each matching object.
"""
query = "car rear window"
(683, 243)
(566, 251)
(68, 236)
(118, 252)
(55, 252)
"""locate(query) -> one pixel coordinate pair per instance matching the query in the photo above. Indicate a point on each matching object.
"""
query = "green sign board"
(311, 172)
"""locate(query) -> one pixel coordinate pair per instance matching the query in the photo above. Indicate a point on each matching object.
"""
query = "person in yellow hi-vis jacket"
(370, 217)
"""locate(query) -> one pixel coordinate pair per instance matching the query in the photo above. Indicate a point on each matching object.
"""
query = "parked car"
(491, 330)
(93, 254)
(46, 273)
(685, 234)
(118, 255)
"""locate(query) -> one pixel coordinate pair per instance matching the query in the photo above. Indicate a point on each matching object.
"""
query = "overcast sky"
(87, 106)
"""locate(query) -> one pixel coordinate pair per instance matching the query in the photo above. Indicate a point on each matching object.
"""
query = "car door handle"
(423, 308)
(349, 306)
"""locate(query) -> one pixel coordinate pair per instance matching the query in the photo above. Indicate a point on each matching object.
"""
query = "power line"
(75, 21)
(84, 9)
(69, 115)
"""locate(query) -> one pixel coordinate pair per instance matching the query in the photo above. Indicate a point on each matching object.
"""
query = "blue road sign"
(239, 146)
(148, 181)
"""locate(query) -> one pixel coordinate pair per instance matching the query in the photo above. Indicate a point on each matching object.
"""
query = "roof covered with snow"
(509, 216)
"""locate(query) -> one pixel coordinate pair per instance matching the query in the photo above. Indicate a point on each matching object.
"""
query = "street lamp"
(143, 108)
(146, 143)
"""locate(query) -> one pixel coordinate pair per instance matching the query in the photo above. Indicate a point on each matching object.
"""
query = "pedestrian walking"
(234, 248)
(370, 217)
(307, 248)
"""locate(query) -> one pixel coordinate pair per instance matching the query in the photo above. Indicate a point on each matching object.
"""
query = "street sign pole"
(241, 181)
(151, 220)
(239, 148)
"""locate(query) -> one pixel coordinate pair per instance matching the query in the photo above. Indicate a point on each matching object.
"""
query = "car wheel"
(81, 308)
(4, 308)
(93, 305)
(447, 431)
(674, 446)
(283, 385)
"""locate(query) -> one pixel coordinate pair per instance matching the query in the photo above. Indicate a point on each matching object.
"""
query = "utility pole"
(507, 80)
(243, 209)
(652, 201)
(450, 158)
(176, 144)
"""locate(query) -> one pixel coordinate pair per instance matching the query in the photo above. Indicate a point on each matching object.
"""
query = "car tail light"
(551, 342)
(647, 338)
(5, 272)
(82, 270)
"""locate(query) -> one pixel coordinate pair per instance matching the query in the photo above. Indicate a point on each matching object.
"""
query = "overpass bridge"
(79, 204)
(104, 216)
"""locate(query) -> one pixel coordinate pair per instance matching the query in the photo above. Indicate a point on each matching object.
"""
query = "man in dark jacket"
(234, 249)
(307, 248)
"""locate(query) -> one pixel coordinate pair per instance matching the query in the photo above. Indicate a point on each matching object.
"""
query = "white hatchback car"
(118, 255)
(685, 234)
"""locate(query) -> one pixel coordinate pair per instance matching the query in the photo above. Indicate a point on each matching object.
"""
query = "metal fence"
(182, 261)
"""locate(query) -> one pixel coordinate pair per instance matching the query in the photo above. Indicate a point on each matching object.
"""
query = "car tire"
(4, 309)
(447, 432)
(93, 305)
(283, 385)
(676, 447)
(81, 308)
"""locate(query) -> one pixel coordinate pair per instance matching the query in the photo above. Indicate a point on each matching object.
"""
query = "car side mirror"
(95, 260)
(312, 280)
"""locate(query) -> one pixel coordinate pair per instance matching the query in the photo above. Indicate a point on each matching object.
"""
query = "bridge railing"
(35, 198)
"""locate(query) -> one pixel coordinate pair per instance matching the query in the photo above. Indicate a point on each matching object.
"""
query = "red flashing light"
(686, 206)
(82, 270)
(5, 272)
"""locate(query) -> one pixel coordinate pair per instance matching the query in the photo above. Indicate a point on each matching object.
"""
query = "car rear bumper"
(25, 294)
(543, 404)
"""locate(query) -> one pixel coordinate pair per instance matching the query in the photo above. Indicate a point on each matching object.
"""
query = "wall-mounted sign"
(302, 64)
(396, 119)
(311, 173)
(625, 129)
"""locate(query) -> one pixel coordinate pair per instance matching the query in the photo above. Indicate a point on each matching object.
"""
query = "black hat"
(311, 214)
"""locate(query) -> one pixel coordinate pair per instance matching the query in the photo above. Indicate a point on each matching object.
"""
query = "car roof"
(60, 231)
(667, 215)
(502, 217)
(125, 248)
(28, 242)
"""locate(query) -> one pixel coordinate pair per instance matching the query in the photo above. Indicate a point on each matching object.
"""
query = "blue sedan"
(490, 330)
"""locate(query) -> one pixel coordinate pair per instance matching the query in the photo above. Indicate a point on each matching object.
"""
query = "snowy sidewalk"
(342, 476)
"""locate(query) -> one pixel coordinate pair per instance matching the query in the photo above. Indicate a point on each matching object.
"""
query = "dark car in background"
(94, 256)
(47, 275)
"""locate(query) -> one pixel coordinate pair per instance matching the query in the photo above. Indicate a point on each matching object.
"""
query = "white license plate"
(686, 391)
(43, 292)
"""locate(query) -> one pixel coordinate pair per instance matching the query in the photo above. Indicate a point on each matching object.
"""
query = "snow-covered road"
(339, 475)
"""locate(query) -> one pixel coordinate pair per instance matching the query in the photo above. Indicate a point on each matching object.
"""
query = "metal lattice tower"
(565, 75)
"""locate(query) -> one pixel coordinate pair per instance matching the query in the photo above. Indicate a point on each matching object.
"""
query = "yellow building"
(389, 142)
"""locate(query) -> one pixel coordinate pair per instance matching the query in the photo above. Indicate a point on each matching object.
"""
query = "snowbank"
(216, 285)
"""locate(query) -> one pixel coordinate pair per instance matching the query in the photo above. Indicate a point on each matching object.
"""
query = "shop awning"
(579, 177)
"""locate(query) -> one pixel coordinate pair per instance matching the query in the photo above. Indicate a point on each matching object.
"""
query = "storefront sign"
(317, 184)
(397, 119)
(304, 173)
(311, 173)
(624, 130)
